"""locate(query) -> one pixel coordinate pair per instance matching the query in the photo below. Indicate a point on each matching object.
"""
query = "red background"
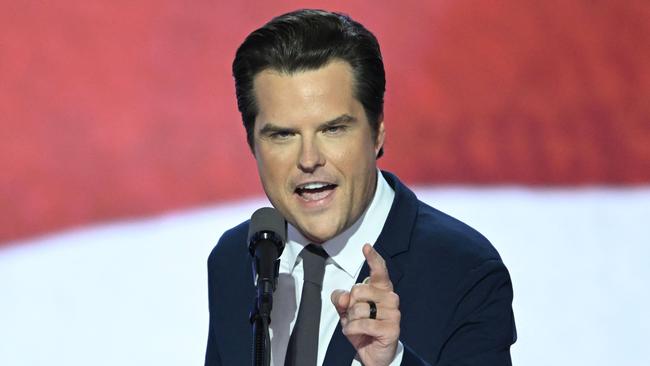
(114, 109)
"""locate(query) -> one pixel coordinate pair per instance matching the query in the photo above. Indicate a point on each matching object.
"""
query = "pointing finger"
(378, 271)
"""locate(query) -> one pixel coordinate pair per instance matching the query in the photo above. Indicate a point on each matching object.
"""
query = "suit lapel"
(393, 241)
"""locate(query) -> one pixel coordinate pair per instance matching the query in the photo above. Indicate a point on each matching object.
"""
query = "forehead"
(312, 94)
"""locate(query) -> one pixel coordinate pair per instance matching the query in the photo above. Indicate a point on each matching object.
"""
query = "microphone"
(267, 233)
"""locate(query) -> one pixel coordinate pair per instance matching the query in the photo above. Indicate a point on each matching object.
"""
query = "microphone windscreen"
(267, 219)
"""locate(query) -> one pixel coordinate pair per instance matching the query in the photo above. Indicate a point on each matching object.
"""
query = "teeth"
(312, 185)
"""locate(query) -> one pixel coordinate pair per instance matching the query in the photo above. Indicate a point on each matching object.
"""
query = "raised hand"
(374, 339)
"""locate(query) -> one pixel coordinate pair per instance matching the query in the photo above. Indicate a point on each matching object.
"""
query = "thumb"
(341, 301)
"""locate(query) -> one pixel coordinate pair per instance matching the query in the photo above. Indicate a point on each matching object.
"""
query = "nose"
(311, 156)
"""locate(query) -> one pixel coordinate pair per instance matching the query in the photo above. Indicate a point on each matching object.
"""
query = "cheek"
(362, 168)
(272, 169)
(359, 157)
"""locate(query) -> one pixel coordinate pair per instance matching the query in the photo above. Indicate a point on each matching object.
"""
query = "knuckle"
(354, 293)
(394, 298)
(357, 291)
(356, 311)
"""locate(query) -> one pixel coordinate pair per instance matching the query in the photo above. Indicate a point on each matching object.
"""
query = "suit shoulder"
(450, 239)
(232, 243)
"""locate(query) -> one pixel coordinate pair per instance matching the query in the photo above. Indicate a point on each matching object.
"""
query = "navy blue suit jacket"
(455, 292)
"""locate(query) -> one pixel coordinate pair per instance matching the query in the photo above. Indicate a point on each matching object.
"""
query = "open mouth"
(314, 191)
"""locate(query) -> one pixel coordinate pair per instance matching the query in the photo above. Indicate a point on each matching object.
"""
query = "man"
(402, 283)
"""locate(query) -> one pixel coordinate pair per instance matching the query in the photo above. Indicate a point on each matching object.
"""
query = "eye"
(333, 130)
(281, 135)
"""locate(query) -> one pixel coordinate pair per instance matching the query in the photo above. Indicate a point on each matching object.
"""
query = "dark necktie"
(303, 343)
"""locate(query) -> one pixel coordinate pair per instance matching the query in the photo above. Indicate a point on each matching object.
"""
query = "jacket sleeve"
(482, 328)
(410, 358)
(211, 353)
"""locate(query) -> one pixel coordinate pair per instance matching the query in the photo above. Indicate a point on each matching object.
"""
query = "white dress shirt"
(341, 271)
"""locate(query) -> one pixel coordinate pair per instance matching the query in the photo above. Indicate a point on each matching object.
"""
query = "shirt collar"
(345, 248)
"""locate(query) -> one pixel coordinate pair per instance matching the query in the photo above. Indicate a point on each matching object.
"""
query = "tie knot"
(313, 263)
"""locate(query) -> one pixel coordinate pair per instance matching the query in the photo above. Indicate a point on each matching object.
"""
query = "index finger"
(378, 271)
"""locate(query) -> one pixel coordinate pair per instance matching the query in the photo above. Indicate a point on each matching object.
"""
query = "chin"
(317, 234)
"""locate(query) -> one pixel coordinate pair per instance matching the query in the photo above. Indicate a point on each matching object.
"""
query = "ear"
(381, 135)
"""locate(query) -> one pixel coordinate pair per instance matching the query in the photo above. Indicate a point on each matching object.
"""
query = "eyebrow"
(342, 119)
(270, 128)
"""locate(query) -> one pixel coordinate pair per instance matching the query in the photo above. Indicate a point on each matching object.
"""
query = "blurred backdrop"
(123, 158)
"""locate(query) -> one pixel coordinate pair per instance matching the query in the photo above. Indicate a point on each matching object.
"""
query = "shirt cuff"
(397, 359)
(399, 353)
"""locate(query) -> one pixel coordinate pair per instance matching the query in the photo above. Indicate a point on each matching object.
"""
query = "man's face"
(315, 150)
